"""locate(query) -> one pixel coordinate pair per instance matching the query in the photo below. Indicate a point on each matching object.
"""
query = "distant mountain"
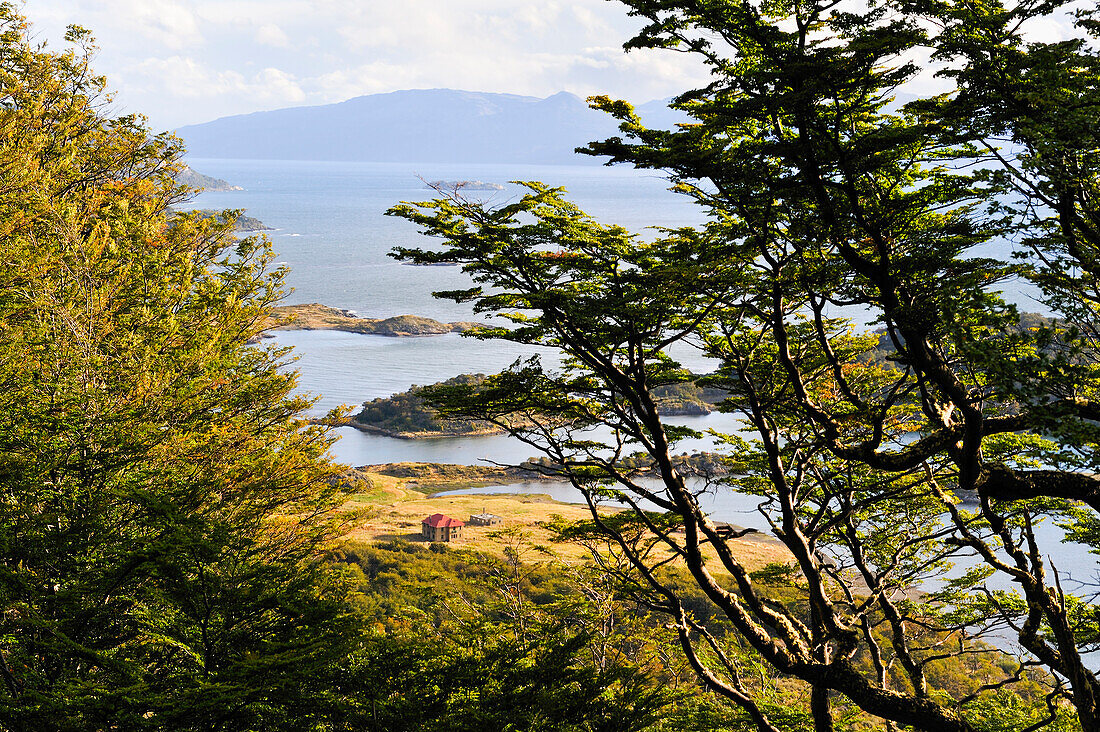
(427, 125)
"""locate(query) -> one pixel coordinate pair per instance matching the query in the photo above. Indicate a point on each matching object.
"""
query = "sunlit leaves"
(162, 499)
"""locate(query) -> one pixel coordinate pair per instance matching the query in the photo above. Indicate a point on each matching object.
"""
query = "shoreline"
(373, 430)
(315, 316)
(452, 476)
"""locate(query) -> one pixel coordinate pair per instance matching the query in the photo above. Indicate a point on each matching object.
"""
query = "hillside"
(188, 176)
(424, 125)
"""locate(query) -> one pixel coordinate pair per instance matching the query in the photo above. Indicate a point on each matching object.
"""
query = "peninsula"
(188, 176)
(242, 223)
(407, 415)
(315, 316)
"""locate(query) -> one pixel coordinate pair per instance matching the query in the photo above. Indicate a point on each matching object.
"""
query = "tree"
(841, 224)
(163, 501)
(479, 642)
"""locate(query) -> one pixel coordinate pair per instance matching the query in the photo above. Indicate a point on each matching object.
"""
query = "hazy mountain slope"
(429, 125)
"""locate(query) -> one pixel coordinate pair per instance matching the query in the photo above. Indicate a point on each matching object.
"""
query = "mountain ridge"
(419, 126)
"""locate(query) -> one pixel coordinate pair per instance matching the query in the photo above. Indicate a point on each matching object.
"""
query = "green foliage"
(499, 685)
(476, 642)
(880, 458)
(163, 498)
(407, 412)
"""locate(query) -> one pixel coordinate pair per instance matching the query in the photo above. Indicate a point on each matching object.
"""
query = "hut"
(438, 527)
(486, 519)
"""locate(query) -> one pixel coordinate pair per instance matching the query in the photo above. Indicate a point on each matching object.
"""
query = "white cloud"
(252, 12)
(187, 61)
(539, 18)
(192, 80)
(273, 85)
(272, 35)
(371, 78)
(163, 22)
(189, 79)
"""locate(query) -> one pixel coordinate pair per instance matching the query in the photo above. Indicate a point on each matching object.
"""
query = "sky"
(183, 62)
(188, 61)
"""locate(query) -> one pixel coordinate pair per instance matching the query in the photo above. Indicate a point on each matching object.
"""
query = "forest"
(175, 549)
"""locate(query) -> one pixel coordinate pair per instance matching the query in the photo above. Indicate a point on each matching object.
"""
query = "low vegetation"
(315, 316)
(178, 551)
(449, 620)
(408, 415)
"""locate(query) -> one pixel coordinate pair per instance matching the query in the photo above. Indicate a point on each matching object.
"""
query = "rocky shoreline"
(423, 435)
(451, 473)
(315, 316)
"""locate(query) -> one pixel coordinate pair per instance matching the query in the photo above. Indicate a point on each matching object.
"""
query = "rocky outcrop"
(315, 316)
(194, 179)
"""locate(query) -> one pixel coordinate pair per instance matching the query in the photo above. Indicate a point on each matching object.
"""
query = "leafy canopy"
(163, 502)
(898, 416)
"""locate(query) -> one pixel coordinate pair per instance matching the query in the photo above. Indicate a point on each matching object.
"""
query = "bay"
(331, 231)
(332, 235)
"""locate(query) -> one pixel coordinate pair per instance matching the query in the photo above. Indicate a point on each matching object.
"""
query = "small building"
(438, 527)
(486, 519)
(724, 529)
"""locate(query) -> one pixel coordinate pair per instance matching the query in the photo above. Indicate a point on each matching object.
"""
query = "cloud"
(274, 85)
(272, 35)
(369, 78)
(165, 23)
(242, 13)
(191, 80)
(186, 61)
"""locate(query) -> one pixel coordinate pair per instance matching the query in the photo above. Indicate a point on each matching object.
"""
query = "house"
(486, 519)
(725, 530)
(438, 527)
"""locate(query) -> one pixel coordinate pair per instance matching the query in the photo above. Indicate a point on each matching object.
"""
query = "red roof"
(439, 521)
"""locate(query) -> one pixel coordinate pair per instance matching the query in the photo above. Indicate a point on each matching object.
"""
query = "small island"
(407, 416)
(315, 316)
(465, 185)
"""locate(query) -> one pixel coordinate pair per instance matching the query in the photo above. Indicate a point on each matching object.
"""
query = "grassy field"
(397, 505)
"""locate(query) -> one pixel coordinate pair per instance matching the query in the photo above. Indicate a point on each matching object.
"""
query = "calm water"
(724, 505)
(332, 234)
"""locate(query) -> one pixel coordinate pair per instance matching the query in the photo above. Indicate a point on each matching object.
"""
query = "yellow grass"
(398, 511)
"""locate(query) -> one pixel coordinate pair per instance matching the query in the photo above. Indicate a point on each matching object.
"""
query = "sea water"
(332, 234)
